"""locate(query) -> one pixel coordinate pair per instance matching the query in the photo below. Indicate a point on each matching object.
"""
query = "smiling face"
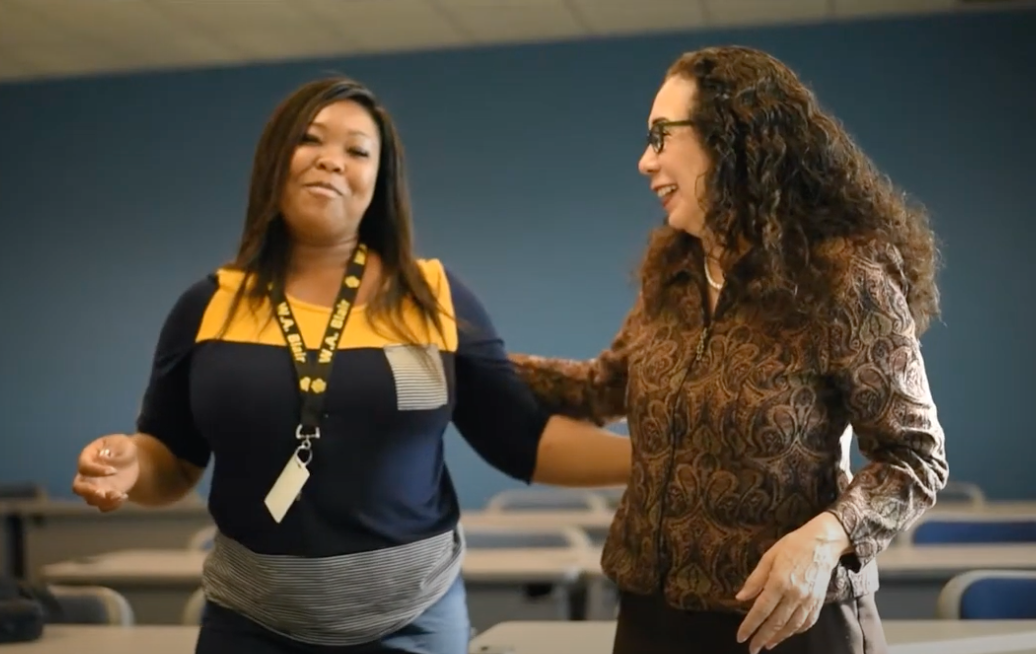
(333, 175)
(675, 161)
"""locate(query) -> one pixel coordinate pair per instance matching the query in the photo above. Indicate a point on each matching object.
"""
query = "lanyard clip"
(305, 449)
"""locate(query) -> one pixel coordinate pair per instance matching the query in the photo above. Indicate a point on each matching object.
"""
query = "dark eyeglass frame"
(659, 131)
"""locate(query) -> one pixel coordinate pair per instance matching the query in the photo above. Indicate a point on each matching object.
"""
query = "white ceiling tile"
(68, 59)
(262, 29)
(856, 8)
(136, 30)
(510, 22)
(488, 4)
(624, 16)
(386, 25)
(13, 68)
(70, 37)
(21, 22)
(761, 12)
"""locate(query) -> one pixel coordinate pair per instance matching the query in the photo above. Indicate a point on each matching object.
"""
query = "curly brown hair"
(786, 179)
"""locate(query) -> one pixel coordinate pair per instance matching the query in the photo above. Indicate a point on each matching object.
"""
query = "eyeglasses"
(659, 131)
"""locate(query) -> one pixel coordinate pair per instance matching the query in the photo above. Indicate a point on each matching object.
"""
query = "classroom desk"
(904, 637)
(912, 577)
(158, 583)
(1008, 508)
(90, 639)
(597, 523)
(503, 583)
(41, 532)
(594, 523)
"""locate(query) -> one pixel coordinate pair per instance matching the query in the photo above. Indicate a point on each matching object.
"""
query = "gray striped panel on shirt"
(419, 376)
(337, 600)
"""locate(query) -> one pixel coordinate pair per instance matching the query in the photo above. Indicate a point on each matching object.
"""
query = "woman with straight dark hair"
(320, 369)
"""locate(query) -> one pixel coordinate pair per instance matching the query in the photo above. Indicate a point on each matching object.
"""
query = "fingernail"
(110, 471)
(105, 453)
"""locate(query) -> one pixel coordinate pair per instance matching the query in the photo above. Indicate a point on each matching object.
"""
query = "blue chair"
(963, 529)
(91, 605)
(989, 595)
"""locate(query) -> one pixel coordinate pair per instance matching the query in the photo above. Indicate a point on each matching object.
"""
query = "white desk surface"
(590, 518)
(180, 566)
(175, 567)
(83, 639)
(1007, 508)
(941, 560)
(526, 565)
(903, 562)
(904, 637)
(539, 519)
(191, 505)
(546, 565)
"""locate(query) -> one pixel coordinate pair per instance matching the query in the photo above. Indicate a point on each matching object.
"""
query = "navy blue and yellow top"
(378, 480)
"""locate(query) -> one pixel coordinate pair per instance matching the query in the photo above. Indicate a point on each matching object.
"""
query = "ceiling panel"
(387, 25)
(722, 13)
(20, 23)
(52, 38)
(515, 21)
(135, 30)
(488, 4)
(13, 68)
(71, 59)
(625, 17)
(262, 29)
(857, 8)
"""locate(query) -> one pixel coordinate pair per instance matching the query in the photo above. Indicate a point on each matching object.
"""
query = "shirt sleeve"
(165, 412)
(593, 390)
(495, 411)
(876, 363)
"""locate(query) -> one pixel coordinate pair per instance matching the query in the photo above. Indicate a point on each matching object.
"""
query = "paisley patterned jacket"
(738, 427)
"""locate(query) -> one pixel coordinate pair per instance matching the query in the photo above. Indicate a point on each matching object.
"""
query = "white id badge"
(287, 488)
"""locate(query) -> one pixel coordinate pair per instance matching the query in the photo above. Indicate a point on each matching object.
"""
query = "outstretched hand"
(107, 471)
(790, 583)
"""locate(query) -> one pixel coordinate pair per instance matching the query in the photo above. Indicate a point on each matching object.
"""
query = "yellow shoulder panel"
(258, 327)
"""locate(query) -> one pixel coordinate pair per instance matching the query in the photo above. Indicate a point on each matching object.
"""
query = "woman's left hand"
(790, 583)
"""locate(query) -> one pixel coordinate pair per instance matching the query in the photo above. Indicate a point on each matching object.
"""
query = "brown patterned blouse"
(737, 425)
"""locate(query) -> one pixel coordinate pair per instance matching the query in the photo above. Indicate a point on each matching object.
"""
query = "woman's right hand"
(108, 470)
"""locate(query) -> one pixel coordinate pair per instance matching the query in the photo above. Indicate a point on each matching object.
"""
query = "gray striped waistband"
(338, 600)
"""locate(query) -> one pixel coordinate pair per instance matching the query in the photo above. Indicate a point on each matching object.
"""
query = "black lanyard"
(314, 375)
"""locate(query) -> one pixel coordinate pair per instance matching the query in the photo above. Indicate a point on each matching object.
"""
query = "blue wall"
(119, 192)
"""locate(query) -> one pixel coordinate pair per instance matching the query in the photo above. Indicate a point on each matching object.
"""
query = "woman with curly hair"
(781, 304)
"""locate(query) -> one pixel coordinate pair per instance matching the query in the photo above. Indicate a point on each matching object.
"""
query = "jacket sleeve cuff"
(864, 548)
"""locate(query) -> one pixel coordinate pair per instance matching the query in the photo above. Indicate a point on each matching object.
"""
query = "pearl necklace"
(712, 282)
